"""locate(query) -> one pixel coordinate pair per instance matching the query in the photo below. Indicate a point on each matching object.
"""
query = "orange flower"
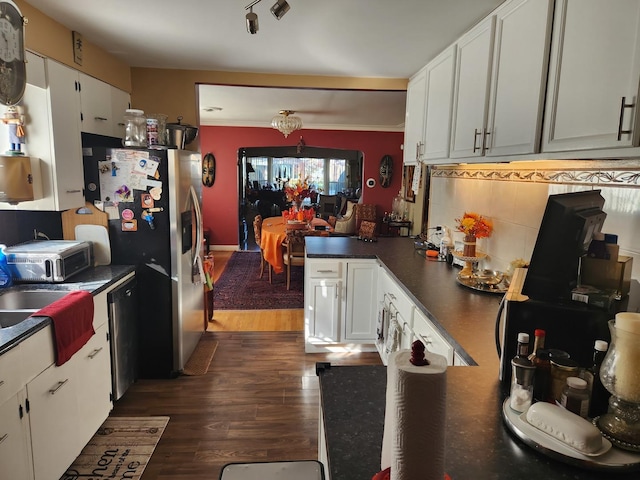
(474, 224)
(298, 191)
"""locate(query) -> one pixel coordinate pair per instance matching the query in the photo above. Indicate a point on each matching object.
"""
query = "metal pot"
(180, 135)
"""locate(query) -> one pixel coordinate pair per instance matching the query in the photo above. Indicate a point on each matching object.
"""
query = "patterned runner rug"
(239, 287)
(121, 448)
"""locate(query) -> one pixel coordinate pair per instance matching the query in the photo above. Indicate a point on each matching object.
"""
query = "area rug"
(121, 448)
(200, 359)
(240, 288)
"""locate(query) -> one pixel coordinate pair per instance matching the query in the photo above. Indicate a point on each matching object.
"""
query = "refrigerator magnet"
(127, 214)
(156, 193)
(146, 200)
(129, 225)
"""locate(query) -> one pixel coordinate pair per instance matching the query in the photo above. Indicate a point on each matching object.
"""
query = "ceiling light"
(280, 8)
(286, 123)
(252, 21)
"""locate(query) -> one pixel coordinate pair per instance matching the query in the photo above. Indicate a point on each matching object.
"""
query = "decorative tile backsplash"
(514, 196)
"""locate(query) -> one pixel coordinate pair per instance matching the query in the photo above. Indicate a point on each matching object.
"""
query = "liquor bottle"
(542, 378)
(599, 395)
(522, 348)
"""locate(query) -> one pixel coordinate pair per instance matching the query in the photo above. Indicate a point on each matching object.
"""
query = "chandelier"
(286, 123)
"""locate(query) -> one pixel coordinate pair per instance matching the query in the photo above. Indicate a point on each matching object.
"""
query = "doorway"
(263, 173)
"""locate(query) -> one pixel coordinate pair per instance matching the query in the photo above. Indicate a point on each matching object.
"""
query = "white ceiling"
(350, 38)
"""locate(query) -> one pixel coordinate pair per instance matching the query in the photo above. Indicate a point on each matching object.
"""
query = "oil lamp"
(620, 375)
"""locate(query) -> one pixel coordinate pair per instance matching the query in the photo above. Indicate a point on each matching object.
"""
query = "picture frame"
(409, 195)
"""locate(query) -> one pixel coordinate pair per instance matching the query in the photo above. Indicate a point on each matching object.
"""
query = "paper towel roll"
(414, 423)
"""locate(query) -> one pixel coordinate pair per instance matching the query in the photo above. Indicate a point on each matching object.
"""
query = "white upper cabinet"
(120, 101)
(519, 79)
(500, 82)
(471, 91)
(414, 119)
(593, 76)
(439, 95)
(95, 100)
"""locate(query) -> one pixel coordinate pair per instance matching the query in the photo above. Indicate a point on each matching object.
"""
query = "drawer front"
(435, 343)
(11, 380)
(37, 353)
(324, 269)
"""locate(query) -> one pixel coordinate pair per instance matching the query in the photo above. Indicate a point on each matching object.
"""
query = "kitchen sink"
(29, 299)
(12, 318)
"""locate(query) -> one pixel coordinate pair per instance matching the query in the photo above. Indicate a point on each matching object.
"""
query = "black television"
(566, 230)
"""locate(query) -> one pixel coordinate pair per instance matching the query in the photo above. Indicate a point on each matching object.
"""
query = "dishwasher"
(123, 325)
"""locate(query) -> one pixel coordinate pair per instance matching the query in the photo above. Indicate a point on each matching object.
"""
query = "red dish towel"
(72, 318)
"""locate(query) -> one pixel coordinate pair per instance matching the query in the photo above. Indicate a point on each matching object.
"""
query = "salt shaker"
(521, 384)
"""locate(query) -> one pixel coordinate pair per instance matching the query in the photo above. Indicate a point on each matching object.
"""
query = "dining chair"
(257, 232)
(293, 255)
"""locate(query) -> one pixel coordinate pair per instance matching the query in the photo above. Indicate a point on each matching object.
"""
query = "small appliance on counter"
(48, 261)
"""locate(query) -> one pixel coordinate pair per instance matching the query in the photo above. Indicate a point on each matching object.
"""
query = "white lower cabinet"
(15, 460)
(434, 342)
(340, 309)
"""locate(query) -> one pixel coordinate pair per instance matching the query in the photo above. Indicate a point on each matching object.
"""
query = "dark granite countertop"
(479, 446)
(93, 280)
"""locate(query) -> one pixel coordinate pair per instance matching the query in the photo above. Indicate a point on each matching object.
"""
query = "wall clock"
(208, 170)
(386, 171)
(13, 71)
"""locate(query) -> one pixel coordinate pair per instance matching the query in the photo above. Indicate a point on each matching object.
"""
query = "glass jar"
(521, 394)
(135, 130)
(156, 129)
(561, 369)
(575, 396)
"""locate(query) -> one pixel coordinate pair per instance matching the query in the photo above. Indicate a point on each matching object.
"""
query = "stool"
(294, 470)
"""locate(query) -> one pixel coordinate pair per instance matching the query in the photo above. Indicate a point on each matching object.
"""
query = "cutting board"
(98, 235)
(71, 218)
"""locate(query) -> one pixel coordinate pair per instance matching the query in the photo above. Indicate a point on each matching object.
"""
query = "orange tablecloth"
(274, 232)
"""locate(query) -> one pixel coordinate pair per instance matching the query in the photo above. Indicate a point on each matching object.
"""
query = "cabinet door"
(439, 96)
(15, 461)
(471, 92)
(322, 299)
(64, 104)
(594, 65)
(53, 415)
(414, 117)
(361, 307)
(95, 100)
(94, 384)
(434, 342)
(120, 101)
(518, 82)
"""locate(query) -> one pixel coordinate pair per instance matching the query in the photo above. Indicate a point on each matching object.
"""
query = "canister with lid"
(561, 369)
(575, 396)
(135, 128)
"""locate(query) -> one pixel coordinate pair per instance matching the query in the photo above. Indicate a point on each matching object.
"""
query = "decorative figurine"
(15, 119)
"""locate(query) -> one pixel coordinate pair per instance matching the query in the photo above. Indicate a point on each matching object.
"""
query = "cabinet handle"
(484, 141)
(326, 271)
(53, 390)
(4, 437)
(476, 133)
(101, 118)
(95, 352)
(74, 191)
(624, 105)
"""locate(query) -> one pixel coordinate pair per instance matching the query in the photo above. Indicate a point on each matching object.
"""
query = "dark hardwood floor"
(258, 402)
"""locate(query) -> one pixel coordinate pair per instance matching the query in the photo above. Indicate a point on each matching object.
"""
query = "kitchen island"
(478, 445)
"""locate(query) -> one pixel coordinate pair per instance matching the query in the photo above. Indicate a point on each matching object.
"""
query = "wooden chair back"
(257, 228)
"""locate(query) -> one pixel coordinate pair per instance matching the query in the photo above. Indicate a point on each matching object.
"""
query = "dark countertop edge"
(94, 280)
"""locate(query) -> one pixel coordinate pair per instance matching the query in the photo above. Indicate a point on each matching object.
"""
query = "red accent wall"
(220, 201)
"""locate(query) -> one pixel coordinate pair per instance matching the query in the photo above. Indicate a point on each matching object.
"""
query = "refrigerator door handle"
(195, 248)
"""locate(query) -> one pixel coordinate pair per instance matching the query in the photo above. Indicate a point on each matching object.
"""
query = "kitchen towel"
(72, 318)
(414, 424)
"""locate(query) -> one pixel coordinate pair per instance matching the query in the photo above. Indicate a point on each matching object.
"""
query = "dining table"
(274, 233)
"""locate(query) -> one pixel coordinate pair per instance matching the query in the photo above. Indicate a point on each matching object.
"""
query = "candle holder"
(620, 375)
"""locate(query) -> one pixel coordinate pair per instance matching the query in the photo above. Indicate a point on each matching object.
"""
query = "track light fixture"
(279, 9)
(252, 22)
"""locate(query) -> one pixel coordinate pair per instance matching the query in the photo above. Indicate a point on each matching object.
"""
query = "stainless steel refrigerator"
(153, 197)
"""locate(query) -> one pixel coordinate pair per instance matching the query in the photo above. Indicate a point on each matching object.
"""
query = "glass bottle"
(538, 342)
(575, 396)
(522, 348)
(542, 362)
(599, 395)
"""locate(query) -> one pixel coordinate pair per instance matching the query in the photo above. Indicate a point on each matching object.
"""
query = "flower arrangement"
(475, 225)
(297, 190)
